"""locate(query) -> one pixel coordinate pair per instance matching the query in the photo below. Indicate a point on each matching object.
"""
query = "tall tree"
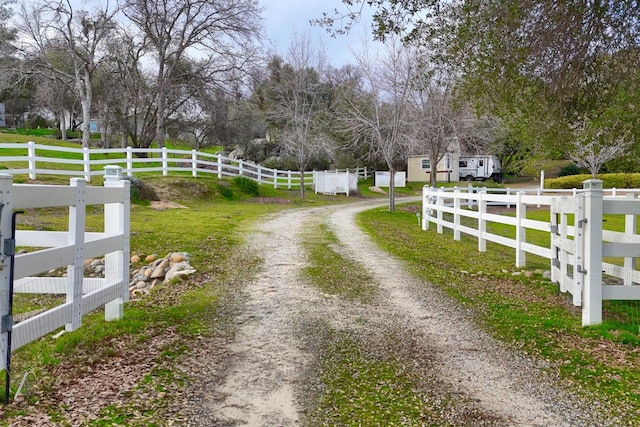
(378, 118)
(300, 104)
(221, 33)
(51, 30)
(551, 63)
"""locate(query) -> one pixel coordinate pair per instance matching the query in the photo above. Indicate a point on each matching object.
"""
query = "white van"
(479, 168)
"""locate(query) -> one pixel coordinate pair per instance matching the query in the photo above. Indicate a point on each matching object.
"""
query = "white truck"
(479, 168)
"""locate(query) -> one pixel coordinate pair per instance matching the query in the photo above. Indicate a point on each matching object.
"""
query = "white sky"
(284, 18)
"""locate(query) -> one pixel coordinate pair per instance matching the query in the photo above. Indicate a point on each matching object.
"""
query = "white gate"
(54, 249)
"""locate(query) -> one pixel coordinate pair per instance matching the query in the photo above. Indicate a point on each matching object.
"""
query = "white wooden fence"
(53, 249)
(577, 252)
(142, 160)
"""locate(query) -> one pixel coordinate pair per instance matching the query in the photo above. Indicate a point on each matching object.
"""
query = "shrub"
(140, 192)
(570, 169)
(246, 186)
(225, 191)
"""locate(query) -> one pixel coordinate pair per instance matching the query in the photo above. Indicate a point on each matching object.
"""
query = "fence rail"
(580, 251)
(68, 249)
(88, 162)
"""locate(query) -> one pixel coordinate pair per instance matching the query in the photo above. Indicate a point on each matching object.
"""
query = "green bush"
(570, 169)
(246, 186)
(225, 191)
(609, 180)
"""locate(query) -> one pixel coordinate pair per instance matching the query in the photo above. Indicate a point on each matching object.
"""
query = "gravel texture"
(265, 375)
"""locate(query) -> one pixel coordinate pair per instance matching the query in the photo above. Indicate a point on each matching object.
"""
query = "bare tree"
(437, 122)
(300, 109)
(378, 117)
(54, 30)
(593, 146)
(220, 33)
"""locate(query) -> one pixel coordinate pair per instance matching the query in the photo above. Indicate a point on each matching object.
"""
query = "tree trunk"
(161, 101)
(85, 101)
(63, 125)
(392, 189)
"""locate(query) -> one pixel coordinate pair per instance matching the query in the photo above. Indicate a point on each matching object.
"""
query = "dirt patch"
(162, 205)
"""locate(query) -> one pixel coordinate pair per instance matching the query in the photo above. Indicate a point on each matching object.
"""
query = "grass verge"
(526, 313)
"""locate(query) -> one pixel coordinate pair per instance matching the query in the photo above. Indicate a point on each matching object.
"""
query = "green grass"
(526, 313)
(364, 387)
(331, 270)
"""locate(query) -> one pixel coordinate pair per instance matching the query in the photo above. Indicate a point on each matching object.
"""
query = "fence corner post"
(592, 227)
(116, 222)
(426, 212)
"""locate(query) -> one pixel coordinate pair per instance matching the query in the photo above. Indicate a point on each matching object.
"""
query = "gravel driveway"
(263, 383)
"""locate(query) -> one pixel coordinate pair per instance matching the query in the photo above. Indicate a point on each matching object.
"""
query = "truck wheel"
(468, 178)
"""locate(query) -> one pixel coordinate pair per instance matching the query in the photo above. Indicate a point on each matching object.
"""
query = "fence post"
(219, 166)
(630, 227)
(289, 180)
(521, 232)
(439, 204)
(86, 161)
(75, 271)
(482, 224)
(31, 152)
(456, 213)
(129, 161)
(194, 163)
(275, 178)
(469, 193)
(116, 222)
(591, 225)
(6, 183)
(259, 174)
(165, 162)
(425, 210)
(541, 180)
(240, 167)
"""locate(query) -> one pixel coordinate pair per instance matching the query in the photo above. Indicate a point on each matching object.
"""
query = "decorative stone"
(134, 259)
(87, 262)
(177, 257)
(150, 258)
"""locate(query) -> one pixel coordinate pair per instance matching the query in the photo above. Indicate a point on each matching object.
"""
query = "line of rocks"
(173, 266)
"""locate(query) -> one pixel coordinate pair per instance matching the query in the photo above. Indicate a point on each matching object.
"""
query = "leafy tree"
(549, 64)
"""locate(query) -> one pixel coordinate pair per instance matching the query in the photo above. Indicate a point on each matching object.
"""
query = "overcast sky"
(283, 18)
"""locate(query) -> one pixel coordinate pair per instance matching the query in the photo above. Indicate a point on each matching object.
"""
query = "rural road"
(264, 382)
